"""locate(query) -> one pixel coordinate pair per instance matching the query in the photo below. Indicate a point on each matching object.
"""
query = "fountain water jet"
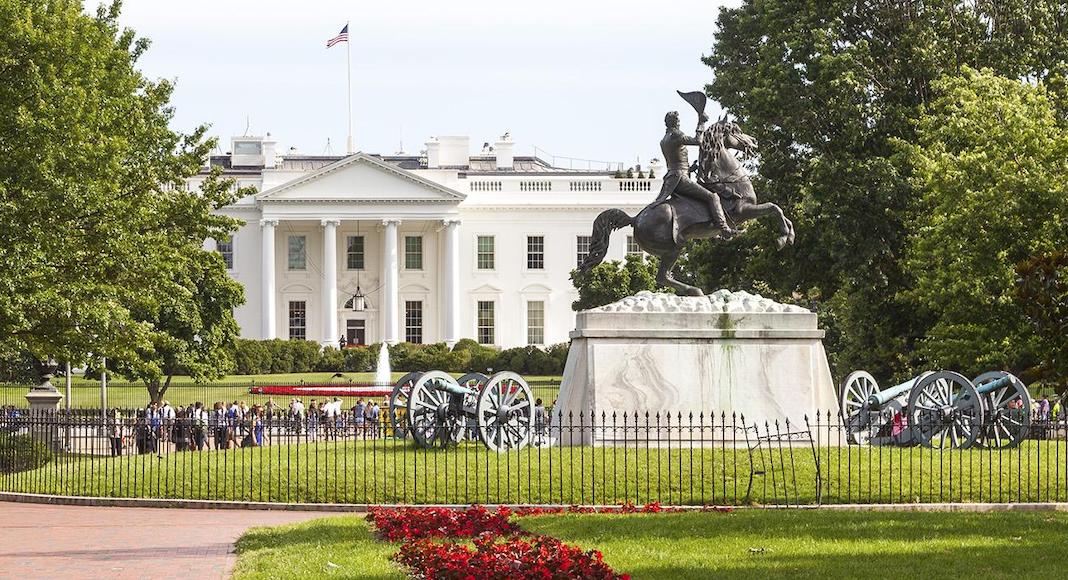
(383, 373)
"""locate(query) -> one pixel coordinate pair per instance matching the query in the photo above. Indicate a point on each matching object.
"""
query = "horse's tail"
(607, 222)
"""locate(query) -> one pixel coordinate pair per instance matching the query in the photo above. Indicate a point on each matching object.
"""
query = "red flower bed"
(419, 523)
(541, 558)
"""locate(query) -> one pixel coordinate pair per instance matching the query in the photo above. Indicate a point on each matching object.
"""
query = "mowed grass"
(396, 471)
(750, 544)
(335, 547)
(85, 394)
(745, 544)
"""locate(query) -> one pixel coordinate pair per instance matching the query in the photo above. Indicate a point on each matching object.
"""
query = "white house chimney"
(270, 156)
(433, 153)
(504, 150)
(453, 151)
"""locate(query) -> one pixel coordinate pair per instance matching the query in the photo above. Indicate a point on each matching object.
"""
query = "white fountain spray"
(383, 373)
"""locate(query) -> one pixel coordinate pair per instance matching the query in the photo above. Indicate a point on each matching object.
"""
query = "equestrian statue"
(689, 209)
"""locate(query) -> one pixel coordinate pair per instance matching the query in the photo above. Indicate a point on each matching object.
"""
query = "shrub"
(331, 360)
(515, 558)
(22, 453)
(358, 359)
(252, 357)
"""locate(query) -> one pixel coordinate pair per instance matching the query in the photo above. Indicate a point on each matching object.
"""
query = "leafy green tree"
(610, 281)
(1042, 292)
(829, 88)
(99, 237)
(992, 167)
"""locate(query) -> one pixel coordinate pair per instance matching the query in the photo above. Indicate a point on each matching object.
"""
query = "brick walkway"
(74, 542)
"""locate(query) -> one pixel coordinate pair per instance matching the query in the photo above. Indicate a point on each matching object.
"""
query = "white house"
(444, 245)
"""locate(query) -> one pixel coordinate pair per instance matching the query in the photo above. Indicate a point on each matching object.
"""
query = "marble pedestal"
(732, 353)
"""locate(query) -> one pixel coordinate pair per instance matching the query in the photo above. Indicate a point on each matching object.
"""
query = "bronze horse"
(663, 227)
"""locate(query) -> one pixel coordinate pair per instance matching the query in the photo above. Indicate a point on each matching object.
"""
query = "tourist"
(372, 412)
(222, 426)
(199, 421)
(541, 421)
(358, 417)
(313, 419)
(180, 431)
(116, 432)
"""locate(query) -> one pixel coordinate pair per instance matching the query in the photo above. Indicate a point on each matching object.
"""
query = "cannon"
(443, 410)
(937, 409)
(398, 399)
(868, 412)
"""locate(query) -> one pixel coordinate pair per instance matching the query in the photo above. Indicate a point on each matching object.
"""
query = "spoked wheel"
(945, 411)
(473, 381)
(857, 416)
(429, 413)
(398, 404)
(1007, 411)
(505, 412)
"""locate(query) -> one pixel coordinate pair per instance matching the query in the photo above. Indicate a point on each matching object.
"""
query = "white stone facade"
(437, 205)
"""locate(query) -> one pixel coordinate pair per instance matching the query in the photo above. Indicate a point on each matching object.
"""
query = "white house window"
(582, 249)
(413, 321)
(632, 247)
(354, 253)
(535, 252)
(536, 322)
(298, 253)
(226, 250)
(413, 252)
(485, 253)
(298, 320)
(485, 322)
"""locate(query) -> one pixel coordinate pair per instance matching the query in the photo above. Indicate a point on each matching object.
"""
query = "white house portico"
(360, 204)
(442, 245)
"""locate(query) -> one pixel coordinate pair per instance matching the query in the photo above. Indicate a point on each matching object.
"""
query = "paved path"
(74, 542)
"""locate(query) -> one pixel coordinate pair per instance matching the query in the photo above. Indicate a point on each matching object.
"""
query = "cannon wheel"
(1003, 425)
(945, 411)
(429, 413)
(473, 381)
(505, 412)
(398, 404)
(853, 405)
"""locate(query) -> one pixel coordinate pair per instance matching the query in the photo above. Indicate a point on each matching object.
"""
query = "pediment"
(361, 178)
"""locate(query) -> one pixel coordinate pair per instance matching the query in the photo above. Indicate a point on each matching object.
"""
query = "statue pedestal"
(723, 353)
(44, 421)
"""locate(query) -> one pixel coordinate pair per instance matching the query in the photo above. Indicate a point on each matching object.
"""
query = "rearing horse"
(663, 227)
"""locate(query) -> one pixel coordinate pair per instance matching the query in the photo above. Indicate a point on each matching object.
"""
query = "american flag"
(342, 36)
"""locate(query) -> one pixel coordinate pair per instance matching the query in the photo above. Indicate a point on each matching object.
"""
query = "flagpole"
(348, 70)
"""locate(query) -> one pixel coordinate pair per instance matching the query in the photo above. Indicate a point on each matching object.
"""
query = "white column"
(267, 315)
(330, 334)
(451, 276)
(390, 289)
(210, 245)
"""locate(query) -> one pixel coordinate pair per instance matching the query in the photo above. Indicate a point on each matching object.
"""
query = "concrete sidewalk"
(74, 542)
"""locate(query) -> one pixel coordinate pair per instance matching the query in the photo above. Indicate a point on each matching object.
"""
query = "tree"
(992, 167)
(1042, 292)
(99, 236)
(611, 281)
(829, 89)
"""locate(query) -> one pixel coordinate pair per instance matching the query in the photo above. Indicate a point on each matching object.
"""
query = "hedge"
(257, 357)
(22, 453)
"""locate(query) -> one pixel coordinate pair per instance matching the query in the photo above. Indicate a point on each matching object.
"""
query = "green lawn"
(745, 544)
(392, 471)
(85, 394)
(339, 547)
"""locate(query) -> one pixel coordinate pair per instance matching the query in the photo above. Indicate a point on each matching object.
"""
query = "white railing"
(561, 184)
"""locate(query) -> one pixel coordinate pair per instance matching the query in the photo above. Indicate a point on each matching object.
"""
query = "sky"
(581, 79)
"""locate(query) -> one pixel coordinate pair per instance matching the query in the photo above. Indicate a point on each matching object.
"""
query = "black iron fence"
(670, 458)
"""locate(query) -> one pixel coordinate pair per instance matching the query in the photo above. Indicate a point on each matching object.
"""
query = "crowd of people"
(163, 427)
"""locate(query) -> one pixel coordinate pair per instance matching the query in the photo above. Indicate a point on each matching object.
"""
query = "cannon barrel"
(987, 388)
(452, 388)
(877, 400)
